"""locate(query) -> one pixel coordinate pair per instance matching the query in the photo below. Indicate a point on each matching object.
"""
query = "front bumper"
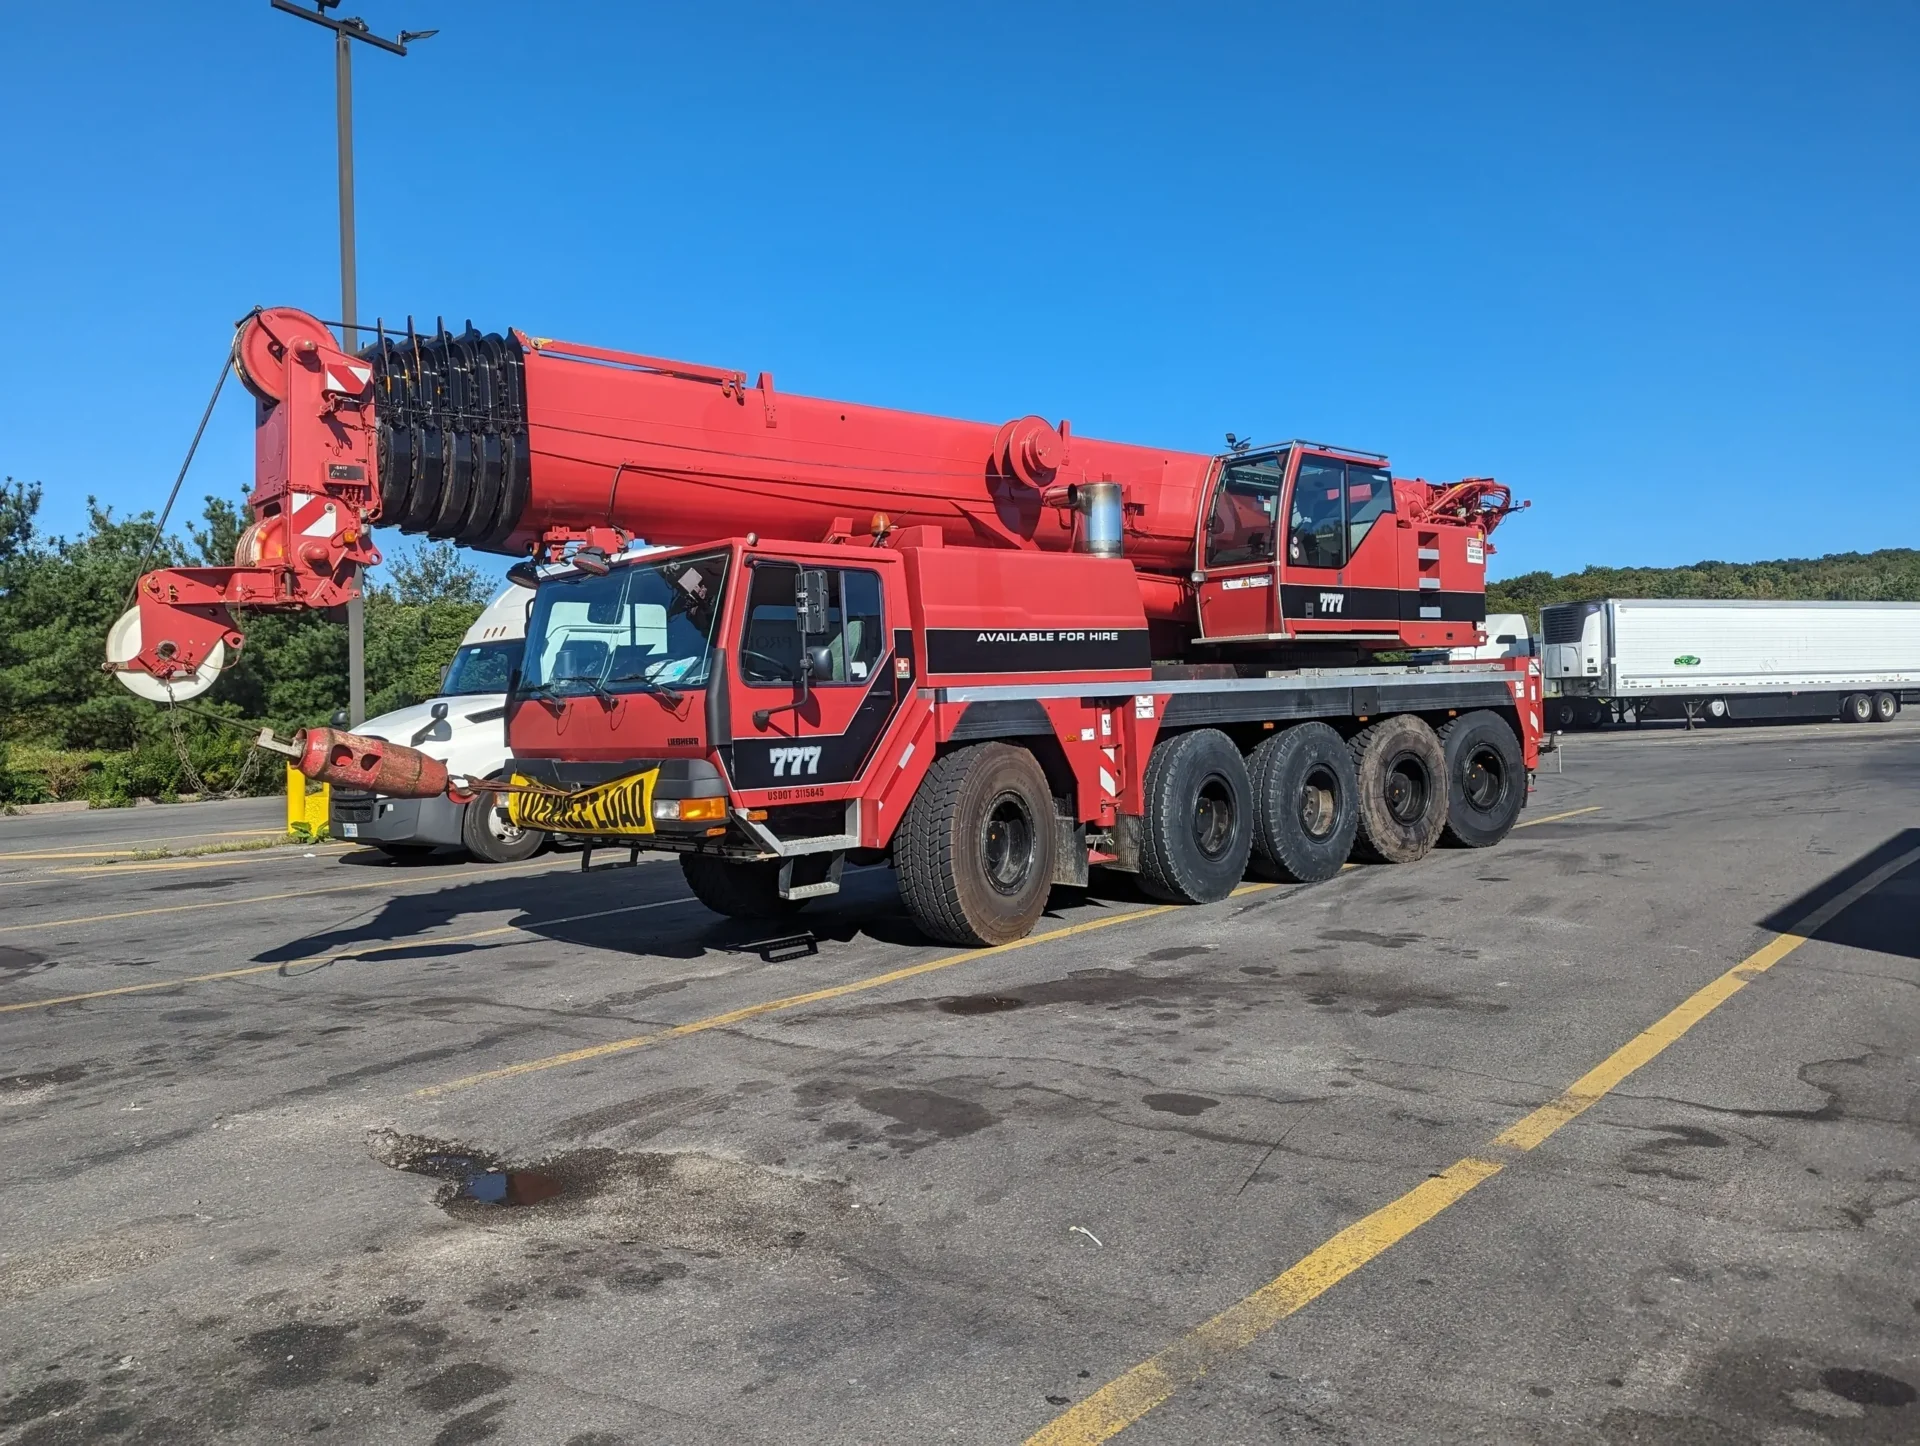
(369, 818)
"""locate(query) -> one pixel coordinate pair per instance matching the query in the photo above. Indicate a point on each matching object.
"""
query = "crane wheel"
(1403, 789)
(738, 889)
(1196, 825)
(1305, 803)
(1486, 780)
(974, 854)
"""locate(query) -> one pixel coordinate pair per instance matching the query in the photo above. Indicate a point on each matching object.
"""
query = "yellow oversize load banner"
(621, 807)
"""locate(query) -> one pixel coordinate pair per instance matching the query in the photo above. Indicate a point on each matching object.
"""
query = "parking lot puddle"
(508, 1187)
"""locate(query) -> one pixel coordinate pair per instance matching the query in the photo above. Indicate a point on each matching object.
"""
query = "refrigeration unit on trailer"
(1704, 660)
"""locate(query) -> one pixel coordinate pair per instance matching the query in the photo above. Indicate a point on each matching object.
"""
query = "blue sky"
(1651, 264)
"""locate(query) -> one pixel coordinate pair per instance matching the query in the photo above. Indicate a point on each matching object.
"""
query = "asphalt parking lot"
(1571, 1140)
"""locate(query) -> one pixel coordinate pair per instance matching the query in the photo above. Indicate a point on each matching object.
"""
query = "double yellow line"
(1128, 1397)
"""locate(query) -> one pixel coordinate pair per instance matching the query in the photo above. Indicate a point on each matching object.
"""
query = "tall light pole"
(345, 32)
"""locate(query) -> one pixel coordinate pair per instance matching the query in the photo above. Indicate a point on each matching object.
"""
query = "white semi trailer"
(1700, 661)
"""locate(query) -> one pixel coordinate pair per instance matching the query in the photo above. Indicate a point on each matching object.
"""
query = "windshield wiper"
(550, 688)
(650, 685)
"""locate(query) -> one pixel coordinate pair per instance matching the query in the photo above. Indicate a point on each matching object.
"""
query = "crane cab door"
(1340, 572)
(812, 677)
(1238, 547)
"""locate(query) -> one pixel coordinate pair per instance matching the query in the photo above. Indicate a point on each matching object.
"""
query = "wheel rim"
(1213, 817)
(1319, 803)
(500, 829)
(1406, 789)
(1006, 844)
(1483, 779)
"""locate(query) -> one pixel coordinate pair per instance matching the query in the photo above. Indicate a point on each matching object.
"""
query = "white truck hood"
(471, 739)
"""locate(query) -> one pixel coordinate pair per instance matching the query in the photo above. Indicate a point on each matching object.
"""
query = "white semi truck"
(465, 727)
(1702, 661)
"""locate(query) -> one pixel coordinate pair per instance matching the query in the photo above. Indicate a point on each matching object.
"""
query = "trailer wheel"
(1196, 829)
(974, 853)
(1403, 789)
(1305, 797)
(1486, 780)
(739, 889)
(1856, 708)
(1885, 706)
(494, 839)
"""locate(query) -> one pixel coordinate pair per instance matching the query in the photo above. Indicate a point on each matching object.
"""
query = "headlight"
(689, 810)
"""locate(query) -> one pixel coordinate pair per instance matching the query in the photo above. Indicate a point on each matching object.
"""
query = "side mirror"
(810, 600)
(818, 661)
(439, 711)
(339, 718)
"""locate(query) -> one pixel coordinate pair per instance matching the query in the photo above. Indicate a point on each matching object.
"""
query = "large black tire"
(1403, 789)
(491, 838)
(1885, 706)
(974, 854)
(1196, 829)
(1305, 803)
(1486, 780)
(1558, 714)
(740, 890)
(1856, 708)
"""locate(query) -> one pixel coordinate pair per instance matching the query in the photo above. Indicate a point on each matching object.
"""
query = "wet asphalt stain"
(41, 1400)
(648, 1277)
(916, 1112)
(1178, 1104)
(1868, 1388)
(40, 1079)
(1380, 996)
(1167, 956)
(1368, 936)
(19, 963)
(979, 1004)
(1653, 1157)
(458, 1384)
(474, 1426)
(298, 1355)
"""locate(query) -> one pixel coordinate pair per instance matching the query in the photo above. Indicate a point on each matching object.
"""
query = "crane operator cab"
(1300, 544)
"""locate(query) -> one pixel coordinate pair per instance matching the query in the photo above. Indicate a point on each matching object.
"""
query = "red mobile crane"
(996, 656)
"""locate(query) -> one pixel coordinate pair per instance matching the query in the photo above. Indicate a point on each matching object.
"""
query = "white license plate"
(349, 830)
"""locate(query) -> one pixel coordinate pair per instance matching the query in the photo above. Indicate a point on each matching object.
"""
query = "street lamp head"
(408, 35)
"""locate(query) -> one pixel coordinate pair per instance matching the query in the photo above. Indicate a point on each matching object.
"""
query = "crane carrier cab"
(991, 722)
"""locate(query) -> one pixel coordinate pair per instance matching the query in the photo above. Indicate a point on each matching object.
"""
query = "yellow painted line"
(313, 960)
(1556, 817)
(1128, 1397)
(205, 861)
(132, 845)
(796, 1001)
(253, 899)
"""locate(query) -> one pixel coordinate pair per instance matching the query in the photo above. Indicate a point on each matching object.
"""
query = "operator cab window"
(1246, 504)
(1369, 497)
(1316, 531)
(770, 642)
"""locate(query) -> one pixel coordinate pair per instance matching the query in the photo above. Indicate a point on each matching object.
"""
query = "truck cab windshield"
(645, 627)
(481, 668)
